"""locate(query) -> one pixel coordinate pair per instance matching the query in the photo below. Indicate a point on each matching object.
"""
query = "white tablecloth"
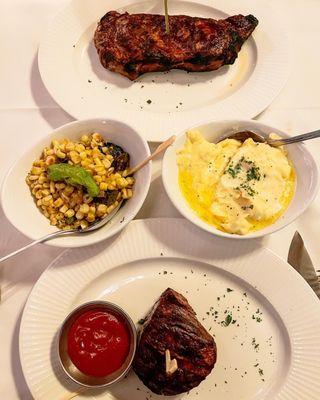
(27, 112)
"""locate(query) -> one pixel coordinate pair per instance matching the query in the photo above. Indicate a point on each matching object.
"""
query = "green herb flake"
(253, 173)
(227, 320)
(73, 175)
(250, 191)
(149, 101)
(233, 171)
(229, 290)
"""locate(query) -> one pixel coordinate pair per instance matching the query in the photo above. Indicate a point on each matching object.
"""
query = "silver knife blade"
(300, 260)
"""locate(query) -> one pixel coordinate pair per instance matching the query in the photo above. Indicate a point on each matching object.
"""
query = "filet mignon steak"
(172, 325)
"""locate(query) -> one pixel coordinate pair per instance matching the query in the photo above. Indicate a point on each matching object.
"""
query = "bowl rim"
(52, 132)
(210, 228)
(108, 305)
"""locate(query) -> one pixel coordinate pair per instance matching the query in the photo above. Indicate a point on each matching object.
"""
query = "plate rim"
(181, 223)
(142, 121)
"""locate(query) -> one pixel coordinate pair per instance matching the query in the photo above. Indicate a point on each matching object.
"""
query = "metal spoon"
(96, 225)
(99, 223)
(243, 135)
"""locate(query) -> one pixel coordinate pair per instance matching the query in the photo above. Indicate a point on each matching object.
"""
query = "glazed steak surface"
(172, 325)
(133, 44)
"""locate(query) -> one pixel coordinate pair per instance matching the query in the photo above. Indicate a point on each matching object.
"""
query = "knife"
(300, 260)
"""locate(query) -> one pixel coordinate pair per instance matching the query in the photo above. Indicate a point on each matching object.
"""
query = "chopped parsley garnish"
(251, 192)
(149, 101)
(233, 171)
(227, 320)
(253, 174)
(229, 290)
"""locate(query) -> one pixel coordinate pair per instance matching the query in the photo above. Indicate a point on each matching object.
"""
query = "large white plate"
(72, 73)
(150, 256)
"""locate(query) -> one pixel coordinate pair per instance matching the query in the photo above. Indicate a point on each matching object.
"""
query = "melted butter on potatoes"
(237, 187)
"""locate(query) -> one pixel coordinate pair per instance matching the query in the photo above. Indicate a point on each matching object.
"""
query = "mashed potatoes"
(237, 187)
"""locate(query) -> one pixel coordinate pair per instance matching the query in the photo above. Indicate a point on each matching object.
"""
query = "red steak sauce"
(98, 342)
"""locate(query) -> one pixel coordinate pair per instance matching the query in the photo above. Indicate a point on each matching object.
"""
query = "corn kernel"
(69, 146)
(97, 137)
(91, 217)
(45, 192)
(79, 147)
(101, 210)
(85, 139)
(46, 200)
(122, 183)
(97, 161)
(69, 213)
(53, 220)
(84, 224)
(52, 187)
(63, 209)
(39, 194)
(50, 160)
(103, 186)
(106, 163)
(58, 203)
(84, 208)
(130, 181)
(36, 170)
(33, 177)
(79, 215)
(97, 178)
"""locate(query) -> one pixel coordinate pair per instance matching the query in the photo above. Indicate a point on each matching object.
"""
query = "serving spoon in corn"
(99, 223)
(244, 135)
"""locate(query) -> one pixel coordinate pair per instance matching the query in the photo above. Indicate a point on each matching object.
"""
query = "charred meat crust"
(172, 325)
(133, 44)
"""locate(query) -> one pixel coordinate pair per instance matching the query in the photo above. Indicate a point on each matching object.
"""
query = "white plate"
(72, 73)
(152, 255)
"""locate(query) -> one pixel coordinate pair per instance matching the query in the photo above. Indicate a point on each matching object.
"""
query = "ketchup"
(98, 342)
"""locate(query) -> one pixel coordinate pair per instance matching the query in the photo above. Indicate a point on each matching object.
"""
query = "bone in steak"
(133, 44)
(172, 325)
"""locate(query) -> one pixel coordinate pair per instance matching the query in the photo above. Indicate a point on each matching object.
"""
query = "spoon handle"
(163, 146)
(31, 244)
(295, 139)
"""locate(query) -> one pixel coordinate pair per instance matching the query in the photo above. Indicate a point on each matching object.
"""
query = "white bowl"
(305, 166)
(22, 212)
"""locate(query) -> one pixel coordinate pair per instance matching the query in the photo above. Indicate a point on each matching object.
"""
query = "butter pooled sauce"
(237, 187)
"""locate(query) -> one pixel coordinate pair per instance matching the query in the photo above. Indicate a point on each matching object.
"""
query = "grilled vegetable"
(74, 175)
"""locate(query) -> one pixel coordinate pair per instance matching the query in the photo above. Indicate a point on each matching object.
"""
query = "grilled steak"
(133, 44)
(172, 325)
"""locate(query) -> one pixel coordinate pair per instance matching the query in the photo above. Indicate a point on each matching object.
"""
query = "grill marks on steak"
(132, 44)
(172, 325)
